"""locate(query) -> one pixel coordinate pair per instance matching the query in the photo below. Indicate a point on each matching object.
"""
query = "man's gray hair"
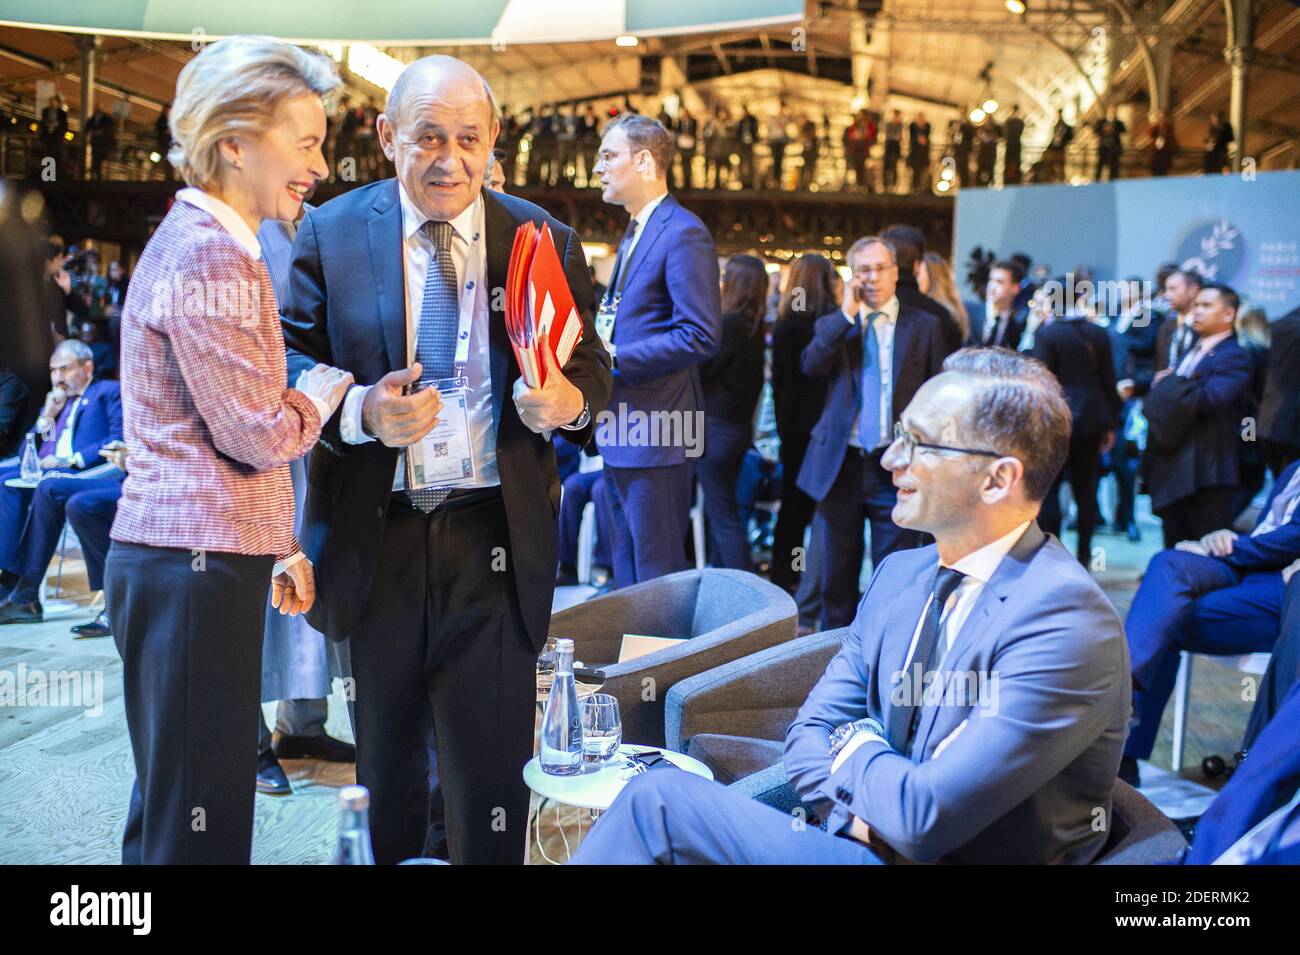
(1020, 411)
(407, 83)
(870, 240)
(76, 348)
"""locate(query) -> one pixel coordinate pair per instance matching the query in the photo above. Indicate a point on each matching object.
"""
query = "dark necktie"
(624, 244)
(902, 722)
(435, 335)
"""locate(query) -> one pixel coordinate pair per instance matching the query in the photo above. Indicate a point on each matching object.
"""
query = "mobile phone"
(860, 294)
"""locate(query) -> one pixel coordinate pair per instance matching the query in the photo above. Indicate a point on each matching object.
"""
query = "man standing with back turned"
(444, 588)
(660, 317)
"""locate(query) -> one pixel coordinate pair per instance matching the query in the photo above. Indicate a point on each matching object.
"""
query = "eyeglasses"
(866, 271)
(910, 444)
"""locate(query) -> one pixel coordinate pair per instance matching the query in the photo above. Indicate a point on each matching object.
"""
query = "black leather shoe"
(567, 577)
(322, 747)
(1128, 771)
(98, 627)
(271, 779)
(11, 612)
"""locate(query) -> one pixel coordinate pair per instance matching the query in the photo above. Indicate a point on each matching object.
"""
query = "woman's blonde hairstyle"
(943, 289)
(233, 88)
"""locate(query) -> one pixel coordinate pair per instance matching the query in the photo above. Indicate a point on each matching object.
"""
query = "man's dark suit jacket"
(1279, 409)
(910, 295)
(1078, 354)
(347, 308)
(1134, 350)
(835, 353)
(98, 421)
(1017, 322)
(1209, 456)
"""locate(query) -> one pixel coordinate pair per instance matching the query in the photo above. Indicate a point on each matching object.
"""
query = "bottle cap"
(563, 645)
(354, 798)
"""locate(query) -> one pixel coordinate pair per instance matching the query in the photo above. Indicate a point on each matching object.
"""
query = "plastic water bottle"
(30, 467)
(562, 722)
(354, 827)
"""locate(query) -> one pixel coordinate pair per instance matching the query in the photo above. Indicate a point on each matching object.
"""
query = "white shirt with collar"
(978, 568)
(885, 323)
(1203, 348)
(417, 255)
(230, 219)
(642, 218)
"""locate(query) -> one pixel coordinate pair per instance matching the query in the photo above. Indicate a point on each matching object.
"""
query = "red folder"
(540, 310)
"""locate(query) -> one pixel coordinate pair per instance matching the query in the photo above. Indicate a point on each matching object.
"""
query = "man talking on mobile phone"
(875, 354)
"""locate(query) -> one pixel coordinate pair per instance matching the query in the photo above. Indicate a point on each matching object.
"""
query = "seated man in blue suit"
(1220, 595)
(876, 353)
(976, 710)
(80, 416)
(1255, 820)
(659, 318)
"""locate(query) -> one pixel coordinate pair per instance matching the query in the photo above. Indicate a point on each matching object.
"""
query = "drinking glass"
(602, 728)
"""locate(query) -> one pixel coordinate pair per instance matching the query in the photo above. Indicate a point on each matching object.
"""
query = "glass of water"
(602, 728)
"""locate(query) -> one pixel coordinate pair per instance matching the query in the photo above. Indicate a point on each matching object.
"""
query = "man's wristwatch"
(846, 731)
(580, 422)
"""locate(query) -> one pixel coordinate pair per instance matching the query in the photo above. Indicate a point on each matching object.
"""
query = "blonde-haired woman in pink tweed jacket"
(205, 523)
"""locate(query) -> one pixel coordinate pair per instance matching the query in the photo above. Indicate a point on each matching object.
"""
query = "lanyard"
(467, 294)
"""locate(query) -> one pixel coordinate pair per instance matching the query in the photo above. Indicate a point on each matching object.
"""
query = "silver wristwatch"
(846, 731)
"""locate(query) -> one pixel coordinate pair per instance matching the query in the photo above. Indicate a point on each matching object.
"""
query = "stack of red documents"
(539, 305)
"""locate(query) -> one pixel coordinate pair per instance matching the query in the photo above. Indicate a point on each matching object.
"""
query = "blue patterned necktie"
(869, 413)
(435, 335)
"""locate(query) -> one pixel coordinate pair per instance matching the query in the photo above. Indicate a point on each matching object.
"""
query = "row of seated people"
(979, 708)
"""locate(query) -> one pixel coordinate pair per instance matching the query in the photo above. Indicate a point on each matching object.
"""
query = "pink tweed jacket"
(210, 422)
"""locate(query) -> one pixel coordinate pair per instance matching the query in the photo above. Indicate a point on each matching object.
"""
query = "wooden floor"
(65, 772)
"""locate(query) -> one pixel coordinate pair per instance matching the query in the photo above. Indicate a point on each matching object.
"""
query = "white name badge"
(444, 458)
(605, 315)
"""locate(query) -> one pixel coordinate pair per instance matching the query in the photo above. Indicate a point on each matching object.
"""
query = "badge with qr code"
(444, 457)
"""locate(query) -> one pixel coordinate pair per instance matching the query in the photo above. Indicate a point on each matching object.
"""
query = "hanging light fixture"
(1016, 6)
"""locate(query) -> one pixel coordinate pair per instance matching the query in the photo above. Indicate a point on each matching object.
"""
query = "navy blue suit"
(1193, 487)
(98, 421)
(89, 504)
(1263, 784)
(1217, 605)
(669, 320)
(849, 485)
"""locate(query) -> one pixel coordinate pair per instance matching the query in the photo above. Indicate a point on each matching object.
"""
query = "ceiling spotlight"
(943, 185)
(946, 173)
(990, 106)
(155, 156)
(627, 40)
(977, 115)
(1015, 6)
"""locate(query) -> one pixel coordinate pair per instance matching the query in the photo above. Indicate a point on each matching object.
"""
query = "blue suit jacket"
(346, 307)
(1210, 455)
(1278, 547)
(1265, 782)
(835, 353)
(1024, 769)
(98, 421)
(669, 320)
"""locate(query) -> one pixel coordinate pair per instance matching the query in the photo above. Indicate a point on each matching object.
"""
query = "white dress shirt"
(641, 218)
(417, 254)
(1203, 348)
(884, 325)
(978, 568)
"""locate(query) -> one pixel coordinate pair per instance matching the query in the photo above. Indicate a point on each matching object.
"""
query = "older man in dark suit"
(444, 589)
(1193, 476)
(875, 353)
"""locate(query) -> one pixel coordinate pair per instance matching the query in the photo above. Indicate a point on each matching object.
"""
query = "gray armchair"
(1140, 834)
(724, 614)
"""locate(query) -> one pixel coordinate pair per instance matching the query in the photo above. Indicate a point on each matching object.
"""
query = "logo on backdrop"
(1215, 249)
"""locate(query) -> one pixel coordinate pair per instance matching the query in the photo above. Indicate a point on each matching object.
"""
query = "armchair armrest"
(756, 695)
